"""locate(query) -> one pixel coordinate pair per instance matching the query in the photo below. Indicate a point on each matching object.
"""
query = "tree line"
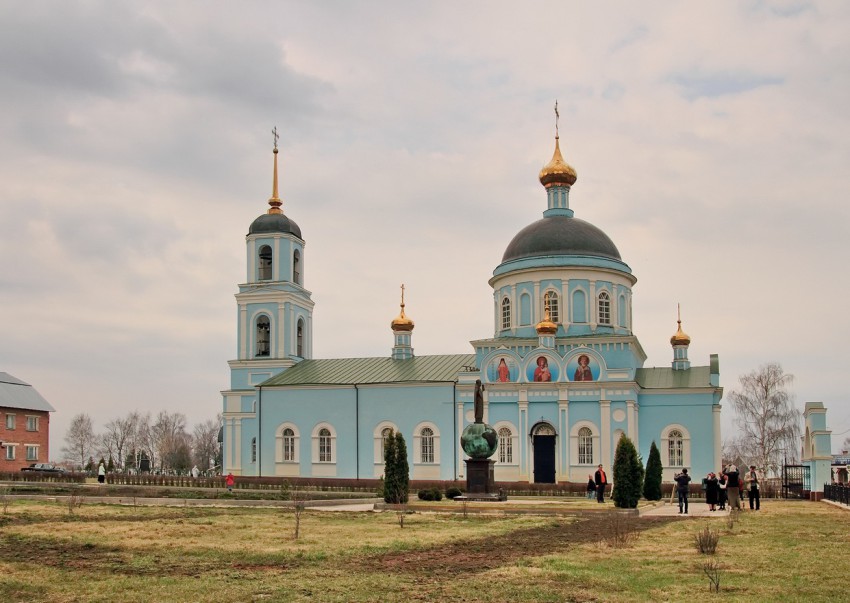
(139, 441)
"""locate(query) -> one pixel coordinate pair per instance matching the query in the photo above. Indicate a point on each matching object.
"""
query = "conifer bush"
(652, 481)
(396, 470)
(628, 475)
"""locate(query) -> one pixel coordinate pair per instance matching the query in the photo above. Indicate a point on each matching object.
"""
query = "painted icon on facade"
(502, 370)
(583, 368)
(542, 370)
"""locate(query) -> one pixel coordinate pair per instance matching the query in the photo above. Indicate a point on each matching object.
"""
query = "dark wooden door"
(544, 459)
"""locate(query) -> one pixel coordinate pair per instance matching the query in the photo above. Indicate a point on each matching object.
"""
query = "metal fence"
(837, 492)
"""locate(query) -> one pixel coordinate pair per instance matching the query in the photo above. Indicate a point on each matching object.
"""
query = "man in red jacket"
(601, 481)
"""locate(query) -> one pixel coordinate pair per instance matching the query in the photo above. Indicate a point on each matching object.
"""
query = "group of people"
(596, 484)
(722, 489)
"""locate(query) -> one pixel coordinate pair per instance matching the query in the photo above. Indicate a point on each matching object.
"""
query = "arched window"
(676, 448)
(288, 442)
(263, 333)
(585, 446)
(506, 445)
(299, 339)
(604, 308)
(325, 449)
(253, 450)
(386, 434)
(296, 267)
(264, 266)
(427, 444)
(506, 314)
(579, 306)
(550, 303)
(524, 309)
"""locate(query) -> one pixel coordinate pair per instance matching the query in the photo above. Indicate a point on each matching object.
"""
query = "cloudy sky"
(711, 140)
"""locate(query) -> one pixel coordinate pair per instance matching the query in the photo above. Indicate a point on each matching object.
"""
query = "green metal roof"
(350, 371)
(666, 377)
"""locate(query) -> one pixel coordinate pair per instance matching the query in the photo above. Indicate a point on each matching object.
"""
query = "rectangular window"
(585, 450)
(10, 452)
(506, 452)
(10, 421)
(676, 453)
(325, 449)
(32, 423)
(32, 453)
(288, 448)
(428, 449)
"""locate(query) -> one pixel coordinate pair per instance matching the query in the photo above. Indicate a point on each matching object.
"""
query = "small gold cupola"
(557, 171)
(546, 326)
(680, 337)
(402, 322)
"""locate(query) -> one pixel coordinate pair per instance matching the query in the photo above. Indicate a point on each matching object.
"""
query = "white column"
(461, 466)
(564, 433)
(522, 425)
(630, 420)
(605, 427)
(243, 330)
(718, 446)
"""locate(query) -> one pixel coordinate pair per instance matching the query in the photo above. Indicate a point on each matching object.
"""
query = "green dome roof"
(271, 223)
(560, 235)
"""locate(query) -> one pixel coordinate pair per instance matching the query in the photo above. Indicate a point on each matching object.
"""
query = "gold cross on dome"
(274, 133)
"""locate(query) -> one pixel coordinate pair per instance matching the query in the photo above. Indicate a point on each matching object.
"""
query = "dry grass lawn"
(788, 551)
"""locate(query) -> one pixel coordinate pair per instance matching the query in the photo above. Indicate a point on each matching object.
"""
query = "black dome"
(274, 223)
(560, 235)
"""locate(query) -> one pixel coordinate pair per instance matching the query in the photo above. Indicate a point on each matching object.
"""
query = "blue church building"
(563, 373)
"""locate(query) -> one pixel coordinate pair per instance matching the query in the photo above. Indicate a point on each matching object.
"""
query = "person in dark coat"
(721, 495)
(712, 491)
(591, 487)
(601, 480)
(682, 481)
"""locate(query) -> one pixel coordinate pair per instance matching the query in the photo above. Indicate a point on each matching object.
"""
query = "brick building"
(24, 424)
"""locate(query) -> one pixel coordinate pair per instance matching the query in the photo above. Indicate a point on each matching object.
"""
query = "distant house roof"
(363, 371)
(14, 393)
(666, 377)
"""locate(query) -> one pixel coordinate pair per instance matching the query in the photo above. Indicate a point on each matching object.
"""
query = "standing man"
(682, 487)
(601, 481)
(752, 481)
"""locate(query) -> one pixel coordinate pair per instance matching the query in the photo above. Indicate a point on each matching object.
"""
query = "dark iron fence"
(837, 492)
(796, 481)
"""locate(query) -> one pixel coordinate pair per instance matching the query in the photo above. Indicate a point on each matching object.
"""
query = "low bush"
(453, 492)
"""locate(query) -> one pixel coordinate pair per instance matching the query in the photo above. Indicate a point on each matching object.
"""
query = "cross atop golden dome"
(680, 337)
(402, 322)
(557, 171)
(546, 326)
(275, 201)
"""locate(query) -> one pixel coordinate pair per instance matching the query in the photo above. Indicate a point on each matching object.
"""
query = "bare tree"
(205, 442)
(169, 438)
(767, 417)
(121, 434)
(79, 440)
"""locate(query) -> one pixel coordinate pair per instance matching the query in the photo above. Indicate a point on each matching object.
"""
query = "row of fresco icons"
(506, 370)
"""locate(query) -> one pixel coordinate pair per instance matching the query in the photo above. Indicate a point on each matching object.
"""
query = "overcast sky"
(711, 141)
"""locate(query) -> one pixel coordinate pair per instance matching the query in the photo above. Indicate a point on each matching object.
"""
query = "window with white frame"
(550, 304)
(263, 336)
(32, 453)
(325, 446)
(10, 421)
(676, 448)
(32, 423)
(10, 452)
(296, 267)
(585, 446)
(386, 434)
(287, 442)
(506, 445)
(604, 308)
(264, 267)
(426, 441)
(506, 313)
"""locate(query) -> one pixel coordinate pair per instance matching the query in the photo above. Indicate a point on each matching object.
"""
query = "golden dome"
(680, 338)
(557, 171)
(402, 322)
(546, 326)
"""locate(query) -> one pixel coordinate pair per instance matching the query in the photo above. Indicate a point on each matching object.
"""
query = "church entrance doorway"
(543, 442)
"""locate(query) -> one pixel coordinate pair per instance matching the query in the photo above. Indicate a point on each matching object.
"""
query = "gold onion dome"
(680, 338)
(402, 322)
(557, 171)
(546, 326)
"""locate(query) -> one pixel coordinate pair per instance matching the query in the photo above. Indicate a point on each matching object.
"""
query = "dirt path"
(488, 553)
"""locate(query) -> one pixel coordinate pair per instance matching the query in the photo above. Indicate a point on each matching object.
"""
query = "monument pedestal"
(480, 484)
